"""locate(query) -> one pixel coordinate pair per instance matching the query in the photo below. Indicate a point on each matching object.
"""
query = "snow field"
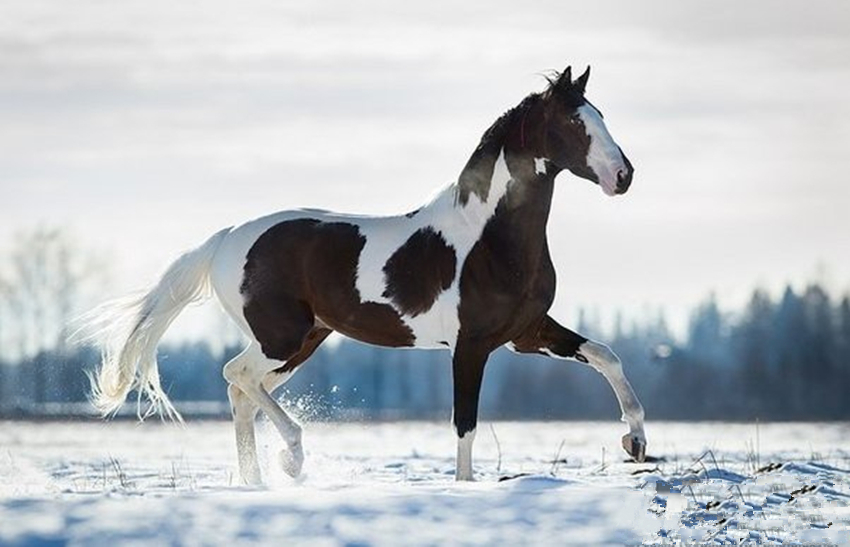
(93, 483)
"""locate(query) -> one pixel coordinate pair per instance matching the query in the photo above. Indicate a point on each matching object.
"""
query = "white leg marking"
(606, 362)
(292, 459)
(247, 372)
(463, 469)
(244, 412)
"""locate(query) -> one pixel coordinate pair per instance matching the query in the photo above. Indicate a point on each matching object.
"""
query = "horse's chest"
(505, 285)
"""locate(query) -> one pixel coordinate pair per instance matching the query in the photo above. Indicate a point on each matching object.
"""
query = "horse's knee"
(599, 356)
(243, 370)
(234, 371)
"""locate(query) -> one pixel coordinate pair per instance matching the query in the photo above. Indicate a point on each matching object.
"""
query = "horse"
(469, 272)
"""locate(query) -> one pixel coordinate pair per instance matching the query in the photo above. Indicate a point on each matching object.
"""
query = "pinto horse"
(469, 272)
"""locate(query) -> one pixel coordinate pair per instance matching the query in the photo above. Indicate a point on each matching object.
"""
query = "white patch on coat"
(540, 166)
(604, 156)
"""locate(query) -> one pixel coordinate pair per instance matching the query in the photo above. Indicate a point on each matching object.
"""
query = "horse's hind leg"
(292, 460)
(247, 376)
(244, 411)
(253, 377)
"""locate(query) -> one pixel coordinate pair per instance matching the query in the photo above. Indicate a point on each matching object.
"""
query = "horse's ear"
(581, 82)
(565, 79)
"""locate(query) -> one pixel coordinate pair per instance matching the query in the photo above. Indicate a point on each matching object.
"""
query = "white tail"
(128, 331)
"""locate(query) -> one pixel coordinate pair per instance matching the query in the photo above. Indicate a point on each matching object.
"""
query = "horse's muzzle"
(624, 176)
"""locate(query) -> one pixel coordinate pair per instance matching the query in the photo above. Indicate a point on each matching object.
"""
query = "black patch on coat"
(419, 271)
(302, 269)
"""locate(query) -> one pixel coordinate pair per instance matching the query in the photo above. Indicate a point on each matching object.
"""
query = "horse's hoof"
(252, 479)
(291, 461)
(635, 446)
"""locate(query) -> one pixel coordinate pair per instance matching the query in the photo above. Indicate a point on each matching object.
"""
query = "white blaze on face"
(604, 156)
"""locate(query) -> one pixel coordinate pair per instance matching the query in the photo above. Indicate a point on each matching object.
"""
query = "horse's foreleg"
(468, 371)
(292, 459)
(550, 338)
(600, 357)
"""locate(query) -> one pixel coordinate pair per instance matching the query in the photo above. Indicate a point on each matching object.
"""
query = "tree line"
(785, 358)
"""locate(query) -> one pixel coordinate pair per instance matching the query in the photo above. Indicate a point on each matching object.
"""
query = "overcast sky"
(144, 126)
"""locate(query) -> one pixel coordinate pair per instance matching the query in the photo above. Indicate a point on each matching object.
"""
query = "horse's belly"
(380, 324)
(438, 326)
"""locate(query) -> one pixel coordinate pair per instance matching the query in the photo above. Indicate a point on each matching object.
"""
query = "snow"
(96, 483)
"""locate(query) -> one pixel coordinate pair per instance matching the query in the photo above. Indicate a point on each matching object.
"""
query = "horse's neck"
(500, 186)
(509, 166)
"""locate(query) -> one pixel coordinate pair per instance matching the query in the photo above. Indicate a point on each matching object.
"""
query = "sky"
(142, 127)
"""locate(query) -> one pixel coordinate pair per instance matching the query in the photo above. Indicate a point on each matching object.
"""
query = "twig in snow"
(119, 472)
(711, 453)
(557, 459)
(498, 449)
(602, 466)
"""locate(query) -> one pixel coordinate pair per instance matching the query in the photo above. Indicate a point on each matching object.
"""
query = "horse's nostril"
(624, 180)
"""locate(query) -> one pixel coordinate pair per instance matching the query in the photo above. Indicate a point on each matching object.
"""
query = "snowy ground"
(391, 483)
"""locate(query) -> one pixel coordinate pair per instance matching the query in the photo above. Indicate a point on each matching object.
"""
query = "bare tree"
(49, 280)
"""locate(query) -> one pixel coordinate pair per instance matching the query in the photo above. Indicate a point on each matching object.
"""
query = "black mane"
(476, 175)
(496, 133)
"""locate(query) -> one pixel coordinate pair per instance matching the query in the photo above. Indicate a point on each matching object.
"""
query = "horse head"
(575, 136)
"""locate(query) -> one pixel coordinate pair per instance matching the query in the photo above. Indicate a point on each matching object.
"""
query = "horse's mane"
(498, 131)
(476, 175)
